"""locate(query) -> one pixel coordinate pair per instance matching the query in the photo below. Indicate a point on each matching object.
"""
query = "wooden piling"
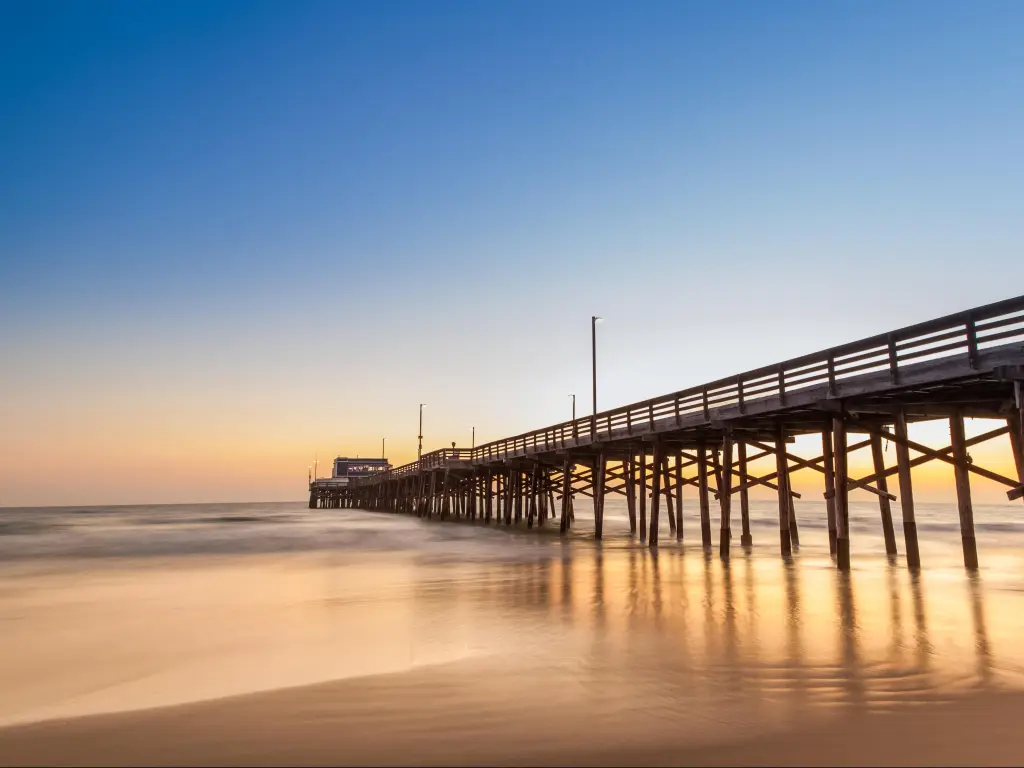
(642, 490)
(702, 488)
(510, 489)
(884, 506)
(725, 499)
(963, 489)
(630, 473)
(1015, 423)
(599, 481)
(679, 495)
(794, 533)
(746, 540)
(830, 488)
(782, 469)
(566, 496)
(518, 491)
(489, 495)
(906, 492)
(669, 506)
(656, 468)
(534, 481)
(842, 493)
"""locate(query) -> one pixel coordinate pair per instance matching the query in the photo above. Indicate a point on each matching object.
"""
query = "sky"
(237, 236)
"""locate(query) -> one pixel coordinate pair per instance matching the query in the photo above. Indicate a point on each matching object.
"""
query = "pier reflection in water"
(290, 596)
(684, 625)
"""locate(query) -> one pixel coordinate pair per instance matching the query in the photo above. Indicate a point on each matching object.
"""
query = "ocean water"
(115, 608)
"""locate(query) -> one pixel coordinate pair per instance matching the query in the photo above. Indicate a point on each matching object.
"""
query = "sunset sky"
(238, 235)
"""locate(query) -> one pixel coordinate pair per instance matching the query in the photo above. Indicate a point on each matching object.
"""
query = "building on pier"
(345, 469)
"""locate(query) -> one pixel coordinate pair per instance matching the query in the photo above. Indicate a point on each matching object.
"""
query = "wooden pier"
(970, 364)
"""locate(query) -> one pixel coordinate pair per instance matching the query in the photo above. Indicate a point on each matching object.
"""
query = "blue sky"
(286, 224)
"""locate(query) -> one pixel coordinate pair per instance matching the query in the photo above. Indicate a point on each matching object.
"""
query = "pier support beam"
(841, 494)
(679, 495)
(600, 469)
(642, 490)
(828, 460)
(794, 532)
(630, 473)
(725, 498)
(884, 506)
(667, 480)
(702, 489)
(656, 467)
(782, 471)
(1015, 423)
(906, 492)
(518, 489)
(963, 489)
(746, 540)
(566, 496)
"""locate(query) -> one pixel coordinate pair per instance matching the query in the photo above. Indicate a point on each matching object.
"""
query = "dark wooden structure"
(854, 396)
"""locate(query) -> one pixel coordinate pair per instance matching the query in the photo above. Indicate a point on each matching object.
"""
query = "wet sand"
(407, 642)
(501, 719)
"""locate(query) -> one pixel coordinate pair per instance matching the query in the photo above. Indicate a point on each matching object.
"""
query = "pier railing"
(963, 334)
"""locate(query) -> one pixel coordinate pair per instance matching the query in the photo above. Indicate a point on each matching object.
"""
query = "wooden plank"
(963, 491)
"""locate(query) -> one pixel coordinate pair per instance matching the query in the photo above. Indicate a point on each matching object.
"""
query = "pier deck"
(970, 364)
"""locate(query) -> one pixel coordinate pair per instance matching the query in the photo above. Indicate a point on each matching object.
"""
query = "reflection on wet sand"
(559, 646)
(765, 628)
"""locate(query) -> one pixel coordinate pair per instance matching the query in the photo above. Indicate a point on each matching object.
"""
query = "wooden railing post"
(972, 342)
(894, 364)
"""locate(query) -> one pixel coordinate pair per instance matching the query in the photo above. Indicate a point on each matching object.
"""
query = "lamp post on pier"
(594, 320)
(419, 450)
(473, 444)
(382, 446)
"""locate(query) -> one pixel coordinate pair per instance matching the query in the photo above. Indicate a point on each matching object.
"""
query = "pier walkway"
(854, 396)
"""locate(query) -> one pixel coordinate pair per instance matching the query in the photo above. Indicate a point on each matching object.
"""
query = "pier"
(854, 396)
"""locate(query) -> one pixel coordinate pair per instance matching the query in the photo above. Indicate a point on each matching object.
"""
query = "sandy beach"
(493, 719)
(344, 637)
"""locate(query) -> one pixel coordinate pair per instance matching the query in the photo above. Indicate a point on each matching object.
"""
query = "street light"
(382, 446)
(573, 406)
(594, 320)
(419, 451)
(473, 444)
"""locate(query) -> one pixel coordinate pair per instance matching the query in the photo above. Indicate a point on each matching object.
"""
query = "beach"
(267, 634)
